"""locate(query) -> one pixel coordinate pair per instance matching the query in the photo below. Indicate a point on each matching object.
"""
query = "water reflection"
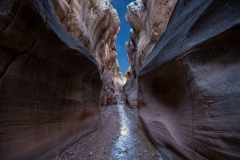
(131, 142)
(124, 145)
(124, 126)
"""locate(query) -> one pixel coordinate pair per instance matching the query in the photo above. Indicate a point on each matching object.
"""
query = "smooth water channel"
(132, 143)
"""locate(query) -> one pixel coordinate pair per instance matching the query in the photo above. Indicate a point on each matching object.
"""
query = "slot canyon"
(63, 96)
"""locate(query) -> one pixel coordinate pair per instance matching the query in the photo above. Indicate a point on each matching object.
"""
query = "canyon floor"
(117, 138)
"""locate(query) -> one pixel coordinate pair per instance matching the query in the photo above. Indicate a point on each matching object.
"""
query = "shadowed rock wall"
(49, 83)
(148, 19)
(189, 87)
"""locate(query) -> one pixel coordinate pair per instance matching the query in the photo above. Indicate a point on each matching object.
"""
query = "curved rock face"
(49, 83)
(189, 91)
(119, 82)
(148, 18)
(95, 24)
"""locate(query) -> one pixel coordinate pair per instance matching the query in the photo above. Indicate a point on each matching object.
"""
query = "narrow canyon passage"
(117, 138)
(64, 96)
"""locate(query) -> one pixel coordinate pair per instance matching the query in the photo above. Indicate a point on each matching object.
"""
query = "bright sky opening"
(123, 35)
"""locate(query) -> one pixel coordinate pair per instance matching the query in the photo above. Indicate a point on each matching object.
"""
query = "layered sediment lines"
(95, 24)
(148, 19)
(49, 83)
(188, 88)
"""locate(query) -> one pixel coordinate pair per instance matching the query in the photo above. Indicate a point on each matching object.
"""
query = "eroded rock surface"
(49, 83)
(95, 24)
(188, 90)
(119, 81)
(148, 18)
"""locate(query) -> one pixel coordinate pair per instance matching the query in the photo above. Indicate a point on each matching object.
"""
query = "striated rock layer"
(49, 83)
(189, 86)
(95, 24)
(148, 18)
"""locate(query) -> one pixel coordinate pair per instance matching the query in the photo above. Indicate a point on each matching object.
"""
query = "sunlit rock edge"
(148, 19)
(95, 24)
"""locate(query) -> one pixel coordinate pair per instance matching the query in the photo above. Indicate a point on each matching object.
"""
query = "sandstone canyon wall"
(189, 86)
(148, 19)
(95, 24)
(49, 83)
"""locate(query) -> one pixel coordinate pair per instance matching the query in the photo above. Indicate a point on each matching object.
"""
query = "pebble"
(139, 154)
(118, 133)
(158, 155)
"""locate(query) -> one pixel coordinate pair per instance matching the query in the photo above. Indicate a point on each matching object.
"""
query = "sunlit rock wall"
(49, 83)
(148, 18)
(119, 82)
(95, 24)
(189, 86)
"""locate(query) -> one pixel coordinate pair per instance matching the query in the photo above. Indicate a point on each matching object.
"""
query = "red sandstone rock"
(189, 86)
(148, 18)
(95, 24)
(49, 83)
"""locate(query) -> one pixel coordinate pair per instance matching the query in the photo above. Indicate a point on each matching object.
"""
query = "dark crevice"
(192, 101)
(8, 65)
(12, 18)
(27, 51)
